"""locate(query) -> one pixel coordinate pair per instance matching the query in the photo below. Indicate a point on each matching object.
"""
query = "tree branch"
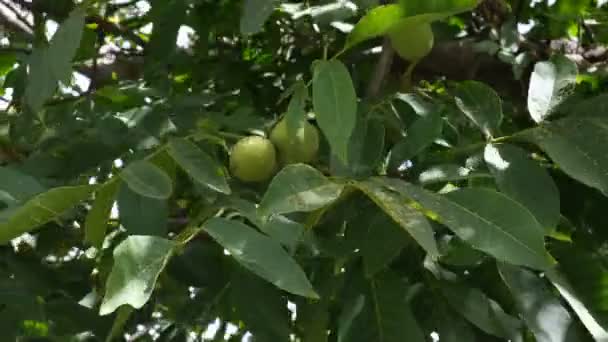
(125, 68)
(383, 66)
(10, 21)
(103, 24)
(115, 30)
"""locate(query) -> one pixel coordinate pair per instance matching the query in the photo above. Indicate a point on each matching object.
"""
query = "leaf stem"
(406, 79)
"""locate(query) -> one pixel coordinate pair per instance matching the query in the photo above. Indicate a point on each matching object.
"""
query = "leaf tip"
(313, 295)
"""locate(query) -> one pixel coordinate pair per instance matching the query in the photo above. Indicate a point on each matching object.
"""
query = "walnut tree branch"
(381, 70)
(383, 66)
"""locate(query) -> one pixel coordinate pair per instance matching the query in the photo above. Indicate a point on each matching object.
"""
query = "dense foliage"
(340, 171)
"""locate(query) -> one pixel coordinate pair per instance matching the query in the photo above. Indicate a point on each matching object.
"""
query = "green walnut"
(300, 148)
(253, 159)
(412, 41)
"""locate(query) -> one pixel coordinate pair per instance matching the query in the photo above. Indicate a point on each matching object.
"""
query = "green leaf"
(167, 18)
(280, 228)
(421, 134)
(314, 318)
(353, 312)
(586, 316)
(199, 165)
(368, 152)
(449, 173)
(313, 321)
(419, 104)
(19, 300)
(283, 230)
(393, 314)
(365, 150)
(524, 180)
(255, 14)
(88, 44)
(452, 327)
(138, 261)
(383, 241)
(260, 306)
(7, 63)
(147, 180)
(324, 13)
(376, 235)
(19, 305)
(335, 104)
(437, 6)
(456, 252)
(480, 310)
(19, 186)
(296, 115)
(261, 255)
(96, 223)
(42, 209)
(201, 263)
(123, 314)
(551, 82)
(41, 82)
(376, 22)
(395, 205)
(595, 106)
(581, 279)
(298, 187)
(481, 105)
(542, 311)
(65, 43)
(49, 65)
(142, 215)
(577, 146)
(382, 19)
(6, 201)
(72, 317)
(487, 220)
(376, 310)
(242, 119)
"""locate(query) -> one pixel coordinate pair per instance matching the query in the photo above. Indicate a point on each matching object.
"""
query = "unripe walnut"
(253, 159)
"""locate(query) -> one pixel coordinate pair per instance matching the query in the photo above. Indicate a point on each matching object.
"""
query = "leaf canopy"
(454, 189)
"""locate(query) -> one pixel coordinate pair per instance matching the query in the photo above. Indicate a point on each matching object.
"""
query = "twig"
(383, 66)
(98, 44)
(103, 24)
(114, 29)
